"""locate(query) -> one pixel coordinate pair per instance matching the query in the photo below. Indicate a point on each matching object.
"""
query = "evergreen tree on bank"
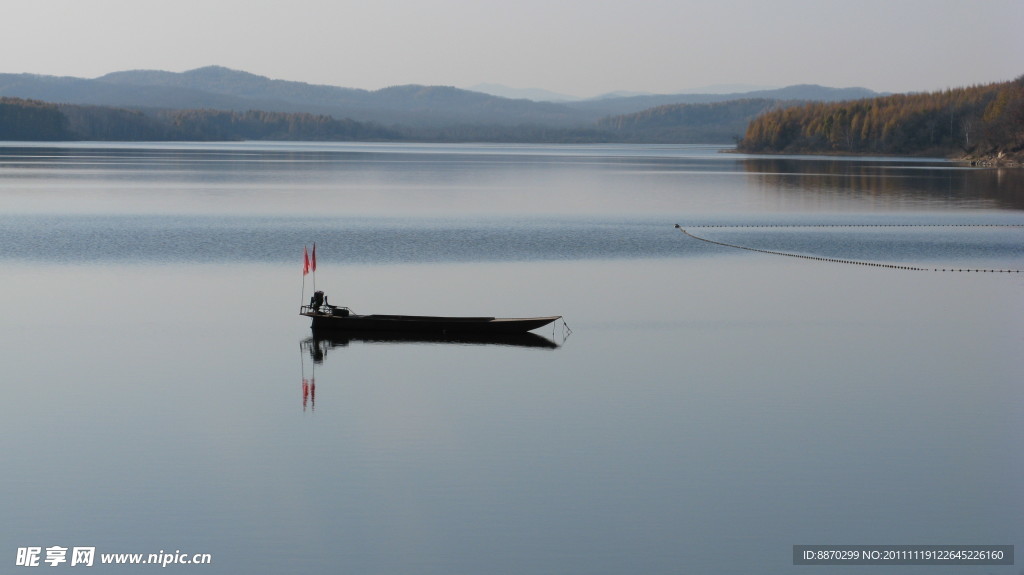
(979, 121)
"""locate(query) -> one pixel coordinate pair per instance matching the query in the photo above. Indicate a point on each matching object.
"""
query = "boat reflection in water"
(309, 393)
(320, 343)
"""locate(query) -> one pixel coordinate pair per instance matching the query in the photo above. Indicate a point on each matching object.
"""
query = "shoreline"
(999, 160)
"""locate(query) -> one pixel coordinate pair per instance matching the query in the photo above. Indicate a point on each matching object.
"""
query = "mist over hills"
(535, 94)
(804, 92)
(541, 95)
(217, 87)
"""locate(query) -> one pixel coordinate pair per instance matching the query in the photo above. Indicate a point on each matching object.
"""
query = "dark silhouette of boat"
(329, 318)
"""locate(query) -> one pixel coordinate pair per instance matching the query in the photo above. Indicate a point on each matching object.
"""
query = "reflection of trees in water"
(893, 182)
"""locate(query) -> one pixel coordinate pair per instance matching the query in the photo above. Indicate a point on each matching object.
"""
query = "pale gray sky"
(578, 47)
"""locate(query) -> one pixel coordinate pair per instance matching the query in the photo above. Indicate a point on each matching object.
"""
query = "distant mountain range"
(410, 106)
(541, 95)
(218, 104)
(535, 94)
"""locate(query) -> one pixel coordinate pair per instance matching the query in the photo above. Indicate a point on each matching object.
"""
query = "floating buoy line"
(854, 262)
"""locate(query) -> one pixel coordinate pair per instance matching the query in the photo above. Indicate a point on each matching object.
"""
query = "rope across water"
(843, 261)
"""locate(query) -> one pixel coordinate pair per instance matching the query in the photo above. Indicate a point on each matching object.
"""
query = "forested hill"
(41, 121)
(214, 103)
(217, 103)
(716, 122)
(721, 122)
(980, 122)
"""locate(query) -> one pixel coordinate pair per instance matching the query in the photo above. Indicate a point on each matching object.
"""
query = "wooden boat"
(328, 318)
(332, 320)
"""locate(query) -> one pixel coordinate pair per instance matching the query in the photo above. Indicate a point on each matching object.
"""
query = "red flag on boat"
(305, 260)
(313, 259)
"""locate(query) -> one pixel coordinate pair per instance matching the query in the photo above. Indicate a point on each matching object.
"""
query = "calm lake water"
(711, 407)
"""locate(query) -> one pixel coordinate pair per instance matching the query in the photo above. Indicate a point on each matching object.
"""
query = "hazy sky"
(578, 47)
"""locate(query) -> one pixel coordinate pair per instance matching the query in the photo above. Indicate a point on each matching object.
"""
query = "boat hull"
(425, 324)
